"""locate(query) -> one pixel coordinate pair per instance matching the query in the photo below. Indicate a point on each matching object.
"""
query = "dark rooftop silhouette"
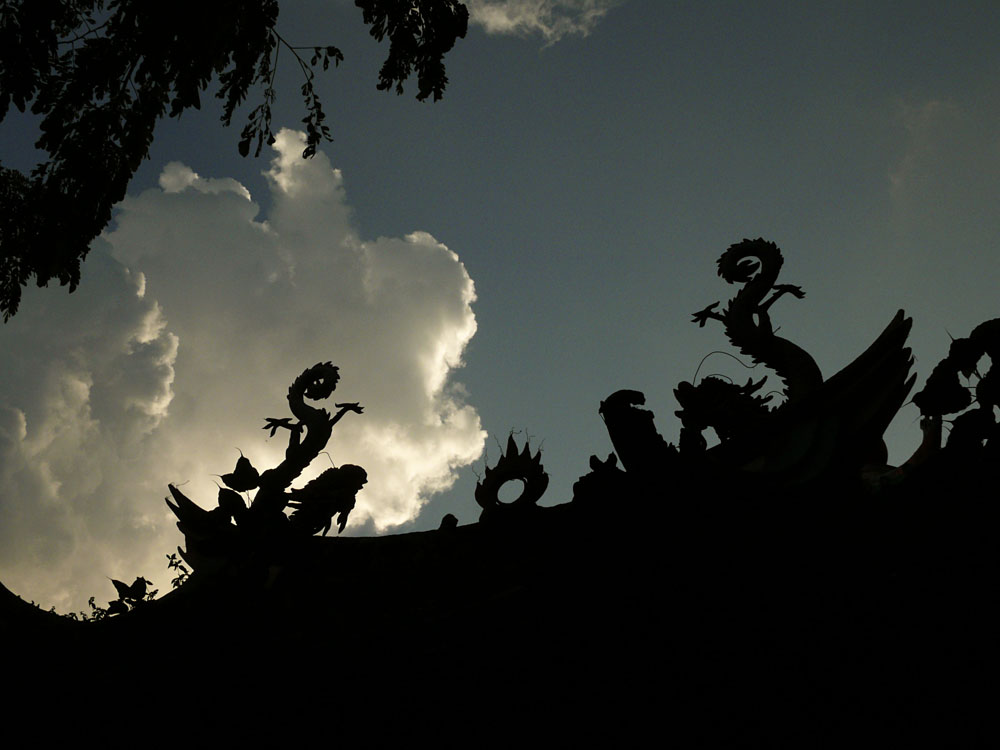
(784, 587)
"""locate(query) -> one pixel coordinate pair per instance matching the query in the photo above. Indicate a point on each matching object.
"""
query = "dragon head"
(321, 380)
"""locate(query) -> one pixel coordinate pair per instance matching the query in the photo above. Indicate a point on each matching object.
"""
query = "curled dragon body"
(755, 264)
(730, 409)
(823, 428)
(232, 530)
(316, 383)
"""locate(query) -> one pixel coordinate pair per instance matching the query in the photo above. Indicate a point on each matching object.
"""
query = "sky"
(500, 260)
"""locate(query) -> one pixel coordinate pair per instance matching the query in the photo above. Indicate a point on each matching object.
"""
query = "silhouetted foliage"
(943, 393)
(101, 73)
(244, 477)
(96, 613)
(420, 33)
(175, 563)
(129, 597)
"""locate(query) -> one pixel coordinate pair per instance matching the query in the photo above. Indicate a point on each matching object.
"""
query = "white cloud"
(553, 19)
(84, 383)
(193, 318)
(177, 177)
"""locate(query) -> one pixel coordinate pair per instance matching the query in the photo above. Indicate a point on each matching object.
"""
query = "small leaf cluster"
(129, 597)
(258, 126)
(175, 563)
(96, 613)
(101, 75)
(420, 33)
(316, 131)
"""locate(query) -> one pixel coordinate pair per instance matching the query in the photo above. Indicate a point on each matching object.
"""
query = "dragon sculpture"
(735, 411)
(731, 410)
(822, 426)
(756, 574)
(232, 528)
(747, 319)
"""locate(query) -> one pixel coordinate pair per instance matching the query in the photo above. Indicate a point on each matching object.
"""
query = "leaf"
(137, 590)
(231, 502)
(244, 477)
(121, 588)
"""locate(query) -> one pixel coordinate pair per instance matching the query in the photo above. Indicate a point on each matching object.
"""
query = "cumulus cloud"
(194, 317)
(553, 19)
(85, 381)
(177, 177)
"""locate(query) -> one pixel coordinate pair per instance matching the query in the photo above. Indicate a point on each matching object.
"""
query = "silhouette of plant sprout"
(129, 598)
(175, 563)
(96, 613)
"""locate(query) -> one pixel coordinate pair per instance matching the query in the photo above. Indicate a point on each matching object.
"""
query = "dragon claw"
(274, 424)
(792, 289)
(702, 316)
